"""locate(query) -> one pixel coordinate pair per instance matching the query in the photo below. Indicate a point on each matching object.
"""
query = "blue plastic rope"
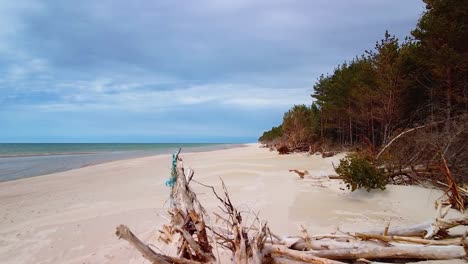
(172, 180)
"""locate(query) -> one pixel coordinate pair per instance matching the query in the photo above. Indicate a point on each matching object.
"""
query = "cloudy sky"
(174, 71)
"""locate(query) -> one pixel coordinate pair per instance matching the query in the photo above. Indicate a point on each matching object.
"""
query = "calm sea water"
(27, 160)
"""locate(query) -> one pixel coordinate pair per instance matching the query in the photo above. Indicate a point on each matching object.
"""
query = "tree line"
(398, 85)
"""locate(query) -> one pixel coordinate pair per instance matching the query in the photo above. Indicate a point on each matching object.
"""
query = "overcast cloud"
(174, 71)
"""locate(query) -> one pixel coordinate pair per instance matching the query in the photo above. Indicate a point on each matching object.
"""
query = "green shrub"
(359, 172)
(271, 135)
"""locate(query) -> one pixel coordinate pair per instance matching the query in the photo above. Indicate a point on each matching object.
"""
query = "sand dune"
(70, 217)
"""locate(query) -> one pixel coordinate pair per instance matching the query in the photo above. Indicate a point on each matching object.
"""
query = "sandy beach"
(70, 217)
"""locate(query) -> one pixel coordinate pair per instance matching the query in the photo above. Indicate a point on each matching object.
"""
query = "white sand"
(70, 217)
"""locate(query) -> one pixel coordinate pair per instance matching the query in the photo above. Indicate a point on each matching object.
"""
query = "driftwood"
(453, 194)
(428, 229)
(301, 174)
(459, 241)
(304, 173)
(327, 154)
(196, 238)
(377, 252)
(438, 227)
(125, 233)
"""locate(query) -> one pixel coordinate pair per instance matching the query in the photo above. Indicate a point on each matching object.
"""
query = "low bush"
(359, 172)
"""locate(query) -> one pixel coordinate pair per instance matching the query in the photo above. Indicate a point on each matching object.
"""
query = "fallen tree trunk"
(395, 252)
(301, 256)
(125, 233)
(402, 134)
(302, 244)
(427, 229)
(445, 242)
(376, 252)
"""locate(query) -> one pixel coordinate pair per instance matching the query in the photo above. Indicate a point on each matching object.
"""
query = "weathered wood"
(282, 260)
(304, 245)
(365, 261)
(455, 198)
(427, 229)
(300, 256)
(445, 242)
(301, 174)
(445, 224)
(418, 230)
(198, 250)
(334, 177)
(147, 252)
(155, 258)
(186, 207)
(394, 252)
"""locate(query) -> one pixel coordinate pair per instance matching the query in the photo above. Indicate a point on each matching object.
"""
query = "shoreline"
(45, 154)
(106, 158)
(70, 217)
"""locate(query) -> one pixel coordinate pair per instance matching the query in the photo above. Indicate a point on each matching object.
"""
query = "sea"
(22, 160)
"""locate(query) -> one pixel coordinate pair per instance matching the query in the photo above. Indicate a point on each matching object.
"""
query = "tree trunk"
(449, 94)
(395, 252)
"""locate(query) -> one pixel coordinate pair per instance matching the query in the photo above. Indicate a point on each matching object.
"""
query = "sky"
(175, 71)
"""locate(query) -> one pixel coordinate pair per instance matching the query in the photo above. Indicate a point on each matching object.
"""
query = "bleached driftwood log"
(375, 252)
(148, 253)
(188, 216)
(429, 229)
(255, 243)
